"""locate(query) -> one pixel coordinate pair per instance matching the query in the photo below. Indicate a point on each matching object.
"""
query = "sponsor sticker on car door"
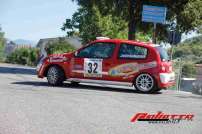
(92, 67)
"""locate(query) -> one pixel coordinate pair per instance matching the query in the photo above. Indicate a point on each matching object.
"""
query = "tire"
(55, 76)
(158, 89)
(145, 83)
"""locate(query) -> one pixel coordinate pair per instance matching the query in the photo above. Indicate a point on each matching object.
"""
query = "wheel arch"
(144, 72)
(155, 87)
(51, 65)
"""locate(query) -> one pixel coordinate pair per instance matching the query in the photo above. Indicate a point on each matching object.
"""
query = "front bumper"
(40, 70)
(38, 67)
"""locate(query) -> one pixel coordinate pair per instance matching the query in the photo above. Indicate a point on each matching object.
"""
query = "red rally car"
(111, 61)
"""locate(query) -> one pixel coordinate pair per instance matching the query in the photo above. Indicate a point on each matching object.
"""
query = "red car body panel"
(73, 66)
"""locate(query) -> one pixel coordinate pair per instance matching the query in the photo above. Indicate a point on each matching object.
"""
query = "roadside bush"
(189, 70)
(182, 51)
(59, 47)
(1, 52)
(24, 56)
(2, 43)
(199, 62)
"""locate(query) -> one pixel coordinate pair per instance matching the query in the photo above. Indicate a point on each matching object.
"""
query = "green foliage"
(92, 24)
(24, 56)
(190, 49)
(59, 47)
(86, 21)
(1, 52)
(144, 36)
(30, 56)
(112, 27)
(190, 16)
(2, 42)
(188, 69)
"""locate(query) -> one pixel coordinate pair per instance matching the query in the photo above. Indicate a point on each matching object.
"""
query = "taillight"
(166, 68)
(170, 69)
(163, 68)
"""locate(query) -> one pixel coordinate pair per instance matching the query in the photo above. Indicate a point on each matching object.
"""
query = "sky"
(34, 19)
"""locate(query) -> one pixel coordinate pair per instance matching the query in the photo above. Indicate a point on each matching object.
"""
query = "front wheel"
(55, 76)
(145, 83)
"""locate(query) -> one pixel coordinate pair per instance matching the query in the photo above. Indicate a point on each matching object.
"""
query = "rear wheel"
(145, 83)
(55, 76)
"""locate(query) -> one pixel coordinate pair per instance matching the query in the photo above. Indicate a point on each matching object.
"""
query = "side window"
(132, 52)
(97, 50)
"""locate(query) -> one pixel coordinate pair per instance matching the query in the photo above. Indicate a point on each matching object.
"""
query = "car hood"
(59, 57)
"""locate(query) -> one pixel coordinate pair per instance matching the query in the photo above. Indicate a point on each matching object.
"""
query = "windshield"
(163, 54)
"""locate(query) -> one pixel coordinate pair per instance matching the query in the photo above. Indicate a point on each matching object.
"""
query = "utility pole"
(154, 34)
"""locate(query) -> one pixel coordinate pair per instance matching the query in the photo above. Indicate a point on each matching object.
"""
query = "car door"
(93, 61)
(129, 59)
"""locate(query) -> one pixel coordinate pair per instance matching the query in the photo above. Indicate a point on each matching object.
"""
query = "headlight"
(39, 66)
(40, 63)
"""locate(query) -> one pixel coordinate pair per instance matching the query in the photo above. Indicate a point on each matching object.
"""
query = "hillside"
(189, 50)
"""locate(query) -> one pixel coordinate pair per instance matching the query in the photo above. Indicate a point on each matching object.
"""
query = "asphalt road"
(29, 106)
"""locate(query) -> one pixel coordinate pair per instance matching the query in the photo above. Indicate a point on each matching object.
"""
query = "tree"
(186, 13)
(58, 47)
(1, 36)
(92, 24)
(189, 16)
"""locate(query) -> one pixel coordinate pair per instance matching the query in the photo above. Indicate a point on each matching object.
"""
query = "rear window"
(163, 54)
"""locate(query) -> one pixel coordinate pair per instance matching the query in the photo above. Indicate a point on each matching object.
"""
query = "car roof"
(147, 44)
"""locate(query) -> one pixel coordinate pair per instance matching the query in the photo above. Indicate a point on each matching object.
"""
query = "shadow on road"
(80, 86)
(17, 70)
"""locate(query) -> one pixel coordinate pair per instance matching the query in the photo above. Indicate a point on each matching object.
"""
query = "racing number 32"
(92, 67)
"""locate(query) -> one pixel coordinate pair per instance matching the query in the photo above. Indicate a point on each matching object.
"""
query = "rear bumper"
(166, 80)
